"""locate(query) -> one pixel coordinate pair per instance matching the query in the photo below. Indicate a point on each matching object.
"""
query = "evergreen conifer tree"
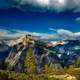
(77, 64)
(30, 64)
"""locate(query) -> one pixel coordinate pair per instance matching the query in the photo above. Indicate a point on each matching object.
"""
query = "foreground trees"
(30, 64)
(77, 64)
(49, 72)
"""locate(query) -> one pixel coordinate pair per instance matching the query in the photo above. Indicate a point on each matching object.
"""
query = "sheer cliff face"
(18, 51)
(14, 52)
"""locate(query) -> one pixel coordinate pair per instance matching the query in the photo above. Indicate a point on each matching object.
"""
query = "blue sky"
(38, 16)
(39, 22)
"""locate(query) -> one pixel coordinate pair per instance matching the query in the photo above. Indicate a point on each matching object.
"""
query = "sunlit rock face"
(55, 52)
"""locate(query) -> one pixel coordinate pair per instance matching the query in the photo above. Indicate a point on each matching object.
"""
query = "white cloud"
(43, 2)
(61, 1)
(4, 31)
(14, 33)
(39, 35)
(47, 36)
(43, 5)
(57, 5)
(77, 19)
(52, 29)
(66, 34)
(58, 34)
(77, 35)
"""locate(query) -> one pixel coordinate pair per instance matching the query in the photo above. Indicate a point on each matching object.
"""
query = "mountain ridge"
(65, 51)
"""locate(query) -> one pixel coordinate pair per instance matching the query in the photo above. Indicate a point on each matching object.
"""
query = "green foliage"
(10, 75)
(30, 62)
(77, 64)
(48, 69)
(30, 67)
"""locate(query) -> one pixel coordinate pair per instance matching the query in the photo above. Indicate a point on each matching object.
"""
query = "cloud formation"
(66, 34)
(15, 33)
(77, 19)
(42, 5)
(57, 34)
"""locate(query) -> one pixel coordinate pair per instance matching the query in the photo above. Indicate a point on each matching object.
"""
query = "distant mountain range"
(60, 53)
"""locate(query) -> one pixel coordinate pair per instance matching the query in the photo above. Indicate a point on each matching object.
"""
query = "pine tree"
(77, 64)
(71, 66)
(48, 69)
(30, 62)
